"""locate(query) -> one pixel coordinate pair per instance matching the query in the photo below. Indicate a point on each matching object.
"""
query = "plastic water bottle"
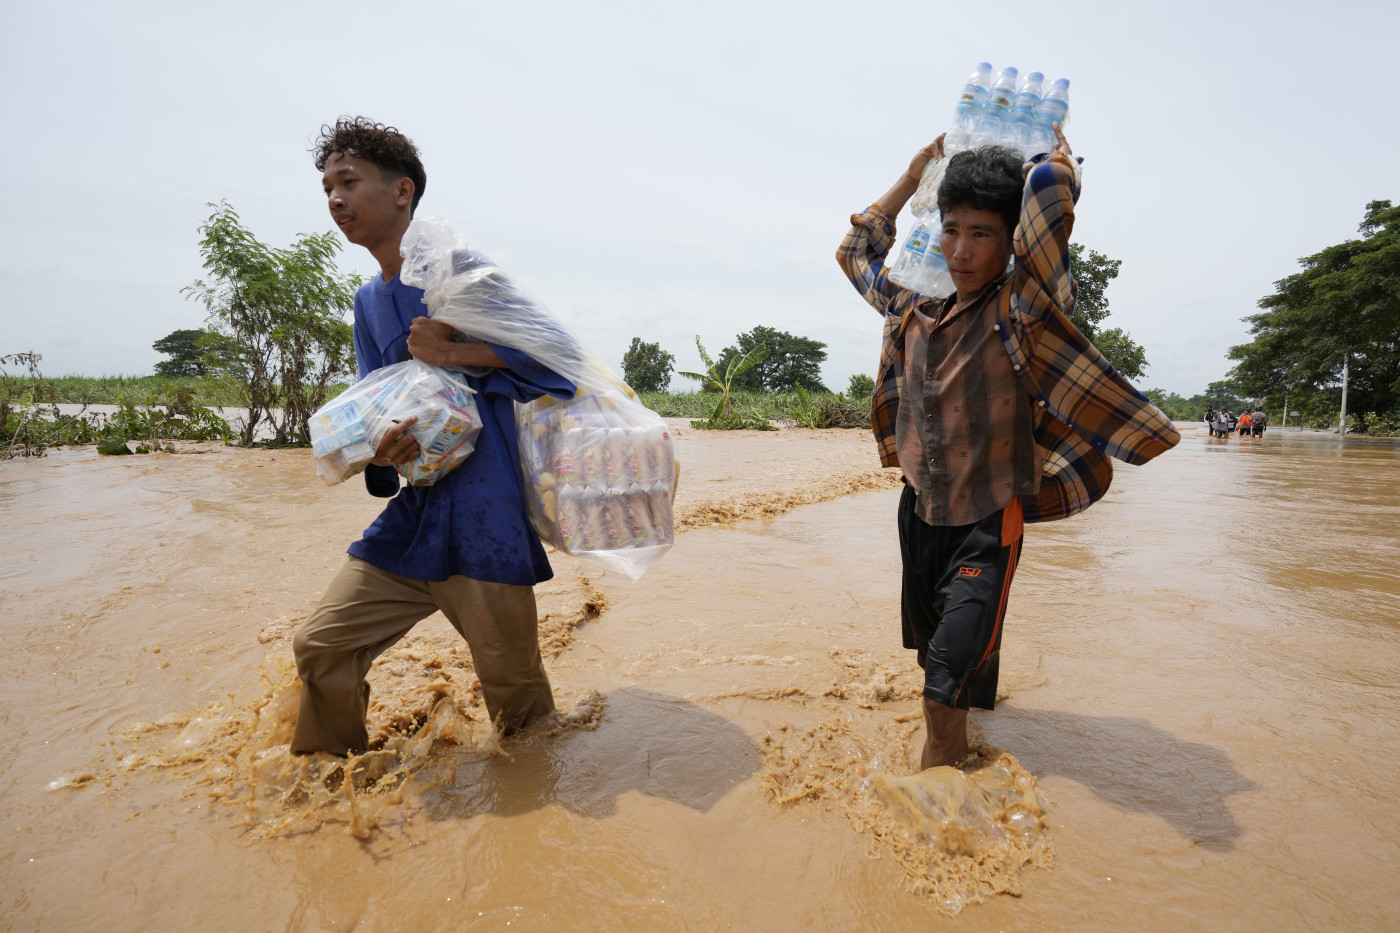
(908, 268)
(991, 126)
(959, 136)
(934, 278)
(1054, 108)
(969, 109)
(1022, 117)
(921, 266)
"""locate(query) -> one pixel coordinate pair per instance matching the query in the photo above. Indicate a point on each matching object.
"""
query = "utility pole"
(1346, 363)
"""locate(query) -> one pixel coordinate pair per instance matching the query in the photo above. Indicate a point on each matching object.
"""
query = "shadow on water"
(1131, 764)
(653, 744)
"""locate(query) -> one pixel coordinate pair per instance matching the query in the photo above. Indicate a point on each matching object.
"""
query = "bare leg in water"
(946, 740)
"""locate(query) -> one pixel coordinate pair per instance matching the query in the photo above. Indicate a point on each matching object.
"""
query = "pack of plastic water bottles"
(1014, 112)
(600, 469)
(346, 431)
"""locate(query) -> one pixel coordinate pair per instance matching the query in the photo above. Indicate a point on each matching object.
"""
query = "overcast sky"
(673, 170)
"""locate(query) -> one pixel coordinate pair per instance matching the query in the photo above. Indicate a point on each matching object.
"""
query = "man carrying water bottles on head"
(997, 410)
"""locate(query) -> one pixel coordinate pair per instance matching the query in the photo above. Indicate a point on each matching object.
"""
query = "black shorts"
(956, 580)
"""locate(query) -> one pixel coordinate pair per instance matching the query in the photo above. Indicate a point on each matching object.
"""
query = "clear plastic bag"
(601, 476)
(346, 431)
(600, 469)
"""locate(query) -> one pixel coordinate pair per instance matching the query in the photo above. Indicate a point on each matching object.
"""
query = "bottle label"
(1000, 99)
(971, 100)
(917, 242)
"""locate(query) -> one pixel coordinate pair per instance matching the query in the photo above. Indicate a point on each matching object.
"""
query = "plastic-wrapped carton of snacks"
(346, 431)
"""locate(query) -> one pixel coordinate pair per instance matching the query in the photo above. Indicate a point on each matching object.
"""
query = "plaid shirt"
(963, 431)
(1084, 411)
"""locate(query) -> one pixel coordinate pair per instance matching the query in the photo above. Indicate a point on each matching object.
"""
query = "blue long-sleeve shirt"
(472, 521)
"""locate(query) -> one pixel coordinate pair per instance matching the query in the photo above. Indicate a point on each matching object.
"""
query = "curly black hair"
(385, 146)
(987, 178)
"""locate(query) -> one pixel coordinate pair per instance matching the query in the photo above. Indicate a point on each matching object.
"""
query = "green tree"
(1173, 405)
(646, 367)
(282, 311)
(193, 352)
(1092, 272)
(861, 386)
(186, 355)
(1127, 356)
(1228, 394)
(1342, 308)
(720, 377)
(791, 361)
(1219, 395)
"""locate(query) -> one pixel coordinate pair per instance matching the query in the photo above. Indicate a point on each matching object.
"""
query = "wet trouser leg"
(955, 586)
(366, 610)
(501, 626)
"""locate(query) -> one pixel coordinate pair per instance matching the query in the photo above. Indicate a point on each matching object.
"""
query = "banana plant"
(805, 411)
(723, 382)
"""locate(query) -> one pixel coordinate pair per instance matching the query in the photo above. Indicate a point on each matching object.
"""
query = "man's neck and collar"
(941, 310)
(969, 300)
(386, 251)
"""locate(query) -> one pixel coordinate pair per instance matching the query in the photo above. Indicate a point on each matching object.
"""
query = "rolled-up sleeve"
(862, 255)
(1042, 236)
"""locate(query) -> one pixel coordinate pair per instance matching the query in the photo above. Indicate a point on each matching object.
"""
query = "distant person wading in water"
(995, 407)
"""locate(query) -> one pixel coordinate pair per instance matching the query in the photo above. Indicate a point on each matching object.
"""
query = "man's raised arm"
(1047, 222)
(862, 253)
(893, 201)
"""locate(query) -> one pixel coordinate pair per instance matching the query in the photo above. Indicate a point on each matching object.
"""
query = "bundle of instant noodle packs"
(600, 469)
(346, 431)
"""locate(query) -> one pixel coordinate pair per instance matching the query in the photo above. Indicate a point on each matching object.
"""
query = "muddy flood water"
(1197, 729)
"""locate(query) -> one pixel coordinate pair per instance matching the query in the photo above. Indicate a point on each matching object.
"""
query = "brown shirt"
(964, 431)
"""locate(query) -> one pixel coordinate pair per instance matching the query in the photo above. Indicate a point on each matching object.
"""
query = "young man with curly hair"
(463, 545)
(997, 410)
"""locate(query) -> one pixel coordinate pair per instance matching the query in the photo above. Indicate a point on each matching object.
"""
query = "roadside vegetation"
(275, 344)
(1337, 319)
(31, 421)
(765, 410)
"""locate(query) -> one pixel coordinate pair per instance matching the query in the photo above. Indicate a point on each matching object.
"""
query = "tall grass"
(223, 393)
(772, 406)
(141, 390)
(152, 414)
(827, 409)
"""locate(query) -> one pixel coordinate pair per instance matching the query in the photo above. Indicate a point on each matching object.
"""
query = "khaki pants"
(366, 610)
